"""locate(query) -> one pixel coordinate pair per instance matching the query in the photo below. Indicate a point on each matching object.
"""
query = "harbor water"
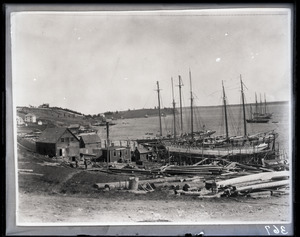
(205, 118)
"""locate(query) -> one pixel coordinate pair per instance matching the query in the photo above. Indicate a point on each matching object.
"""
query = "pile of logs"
(260, 184)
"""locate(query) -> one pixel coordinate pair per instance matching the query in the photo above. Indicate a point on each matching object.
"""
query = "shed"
(141, 154)
(116, 154)
(58, 142)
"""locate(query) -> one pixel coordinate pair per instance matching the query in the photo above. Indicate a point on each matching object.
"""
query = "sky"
(98, 61)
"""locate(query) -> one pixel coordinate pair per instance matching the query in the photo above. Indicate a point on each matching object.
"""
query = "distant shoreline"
(235, 105)
(153, 111)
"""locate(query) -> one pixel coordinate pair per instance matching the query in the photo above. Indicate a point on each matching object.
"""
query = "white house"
(31, 118)
(20, 121)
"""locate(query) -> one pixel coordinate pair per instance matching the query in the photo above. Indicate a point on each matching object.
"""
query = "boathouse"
(58, 142)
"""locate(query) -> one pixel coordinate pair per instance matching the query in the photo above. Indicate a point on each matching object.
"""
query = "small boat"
(257, 120)
(149, 133)
(104, 124)
(146, 115)
(97, 124)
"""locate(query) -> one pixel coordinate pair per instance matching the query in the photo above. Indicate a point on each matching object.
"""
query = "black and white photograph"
(150, 118)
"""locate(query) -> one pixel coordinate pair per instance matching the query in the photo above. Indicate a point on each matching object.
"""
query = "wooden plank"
(252, 177)
(263, 186)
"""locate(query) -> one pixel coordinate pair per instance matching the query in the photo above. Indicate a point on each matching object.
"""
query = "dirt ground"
(37, 208)
(58, 195)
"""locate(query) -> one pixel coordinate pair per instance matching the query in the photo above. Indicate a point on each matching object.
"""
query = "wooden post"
(174, 114)
(244, 112)
(181, 120)
(159, 114)
(192, 125)
(107, 137)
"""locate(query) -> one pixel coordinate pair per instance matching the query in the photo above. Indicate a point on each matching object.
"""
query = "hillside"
(65, 117)
(137, 113)
(55, 116)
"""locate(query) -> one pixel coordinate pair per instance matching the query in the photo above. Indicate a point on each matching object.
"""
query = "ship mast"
(265, 104)
(244, 112)
(174, 115)
(180, 100)
(261, 109)
(256, 105)
(225, 111)
(192, 128)
(159, 115)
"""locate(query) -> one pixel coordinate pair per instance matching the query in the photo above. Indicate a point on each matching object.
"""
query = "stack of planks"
(249, 184)
(194, 170)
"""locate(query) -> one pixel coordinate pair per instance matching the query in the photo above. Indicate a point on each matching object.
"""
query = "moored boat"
(227, 145)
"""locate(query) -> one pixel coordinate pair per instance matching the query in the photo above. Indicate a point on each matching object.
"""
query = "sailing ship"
(192, 136)
(159, 137)
(224, 145)
(260, 115)
(179, 137)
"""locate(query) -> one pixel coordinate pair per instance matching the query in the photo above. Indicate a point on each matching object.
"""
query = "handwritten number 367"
(276, 230)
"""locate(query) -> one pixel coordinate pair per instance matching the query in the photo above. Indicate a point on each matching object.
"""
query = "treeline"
(137, 113)
(68, 110)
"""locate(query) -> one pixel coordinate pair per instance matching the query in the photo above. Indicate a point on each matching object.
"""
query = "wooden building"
(74, 128)
(20, 121)
(89, 142)
(58, 142)
(116, 154)
(30, 118)
(45, 105)
(141, 154)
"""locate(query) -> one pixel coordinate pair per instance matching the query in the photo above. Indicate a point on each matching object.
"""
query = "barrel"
(133, 183)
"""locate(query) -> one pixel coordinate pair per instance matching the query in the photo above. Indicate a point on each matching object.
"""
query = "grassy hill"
(137, 113)
(56, 116)
(64, 117)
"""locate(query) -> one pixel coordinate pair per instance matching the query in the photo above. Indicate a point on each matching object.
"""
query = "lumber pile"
(264, 184)
(260, 184)
(208, 178)
(194, 170)
(129, 170)
(220, 166)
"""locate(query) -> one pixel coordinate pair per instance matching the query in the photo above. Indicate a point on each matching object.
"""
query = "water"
(211, 117)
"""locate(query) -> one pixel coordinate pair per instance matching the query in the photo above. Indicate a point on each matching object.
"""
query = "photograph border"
(132, 229)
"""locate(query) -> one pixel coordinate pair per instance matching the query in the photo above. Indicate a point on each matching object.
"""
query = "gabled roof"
(115, 148)
(51, 135)
(142, 150)
(30, 114)
(19, 117)
(90, 138)
(76, 125)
